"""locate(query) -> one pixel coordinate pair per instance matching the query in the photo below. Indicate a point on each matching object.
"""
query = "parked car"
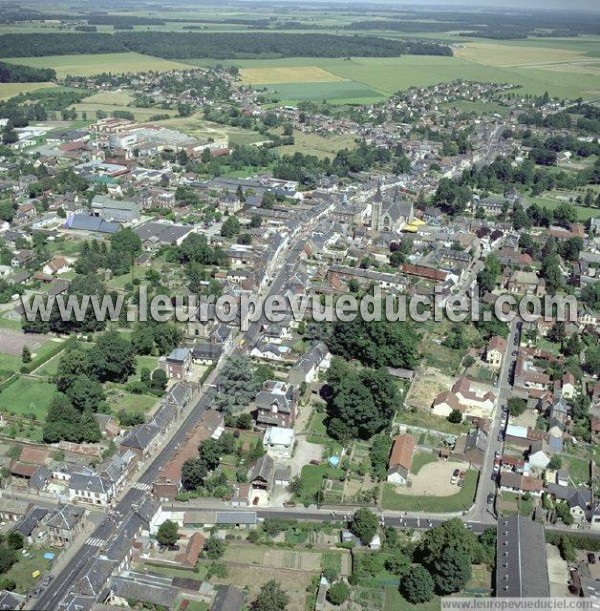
(461, 483)
(591, 558)
(500, 436)
(315, 462)
(174, 548)
(47, 579)
(490, 498)
(455, 476)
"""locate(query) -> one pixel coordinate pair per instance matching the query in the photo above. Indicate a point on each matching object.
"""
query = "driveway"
(305, 452)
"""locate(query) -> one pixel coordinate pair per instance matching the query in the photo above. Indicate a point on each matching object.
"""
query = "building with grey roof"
(163, 233)
(124, 592)
(521, 566)
(85, 222)
(120, 211)
(228, 598)
(247, 518)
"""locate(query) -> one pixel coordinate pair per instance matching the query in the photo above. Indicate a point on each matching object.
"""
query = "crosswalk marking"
(95, 542)
(142, 486)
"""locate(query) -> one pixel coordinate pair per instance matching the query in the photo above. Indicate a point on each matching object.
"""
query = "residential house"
(58, 265)
(401, 458)
(310, 364)
(279, 442)
(262, 475)
(66, 524)
(526, 283)
(90, 487)
(464, 396)
(495, 350)
(177, 364)
(276, 404)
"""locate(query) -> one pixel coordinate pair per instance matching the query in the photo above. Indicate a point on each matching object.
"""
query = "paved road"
(109, 529)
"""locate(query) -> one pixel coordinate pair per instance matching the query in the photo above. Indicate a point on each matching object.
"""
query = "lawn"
(313, 476)
(320, 146)
(430, 422)
(10, 90)
(148, 362)
(435, 504)
(85, 65)
(22, 571)
(132, 403)
(199, 128)
(578, 468)
(395, 602)
(140, 114)
(27, 397)
(420, 459)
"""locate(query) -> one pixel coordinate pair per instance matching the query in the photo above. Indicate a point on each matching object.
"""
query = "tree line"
(16, 73)
(216, 45)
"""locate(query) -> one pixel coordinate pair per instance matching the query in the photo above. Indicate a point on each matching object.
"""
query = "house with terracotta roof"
(494, 351)
(401, 459)
(189, 557)
(58, 265)
(464, 396)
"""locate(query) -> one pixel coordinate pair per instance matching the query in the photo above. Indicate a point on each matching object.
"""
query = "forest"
(12, 73)
(192, 45)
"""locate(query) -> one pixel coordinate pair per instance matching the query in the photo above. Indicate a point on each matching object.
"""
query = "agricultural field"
(85, 65)
(343, 91)
(287, 74)
(10, 90)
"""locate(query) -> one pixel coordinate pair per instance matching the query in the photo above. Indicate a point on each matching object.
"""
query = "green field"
(348, 92)
(85, 65)
(434, 504)
(26, 396)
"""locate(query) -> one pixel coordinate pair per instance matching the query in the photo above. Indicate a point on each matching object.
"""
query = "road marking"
(95, 542)
(142, 486)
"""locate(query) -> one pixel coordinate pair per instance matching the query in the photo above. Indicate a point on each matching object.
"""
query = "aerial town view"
(299, 305)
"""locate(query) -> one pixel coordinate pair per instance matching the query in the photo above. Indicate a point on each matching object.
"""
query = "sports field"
(86, 65)
(9, 90)
(320, 146)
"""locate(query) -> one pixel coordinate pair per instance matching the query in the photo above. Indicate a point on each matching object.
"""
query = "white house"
(279, 442)
(539, 460)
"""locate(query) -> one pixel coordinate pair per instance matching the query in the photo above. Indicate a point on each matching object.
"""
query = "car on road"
(490, 498)
(47, 579)
(591, 558)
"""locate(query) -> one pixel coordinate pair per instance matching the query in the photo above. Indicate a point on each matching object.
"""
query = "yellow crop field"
(10, 90)
(514, 55)
(288, 74)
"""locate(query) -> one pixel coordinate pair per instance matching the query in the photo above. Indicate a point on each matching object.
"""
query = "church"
(390, 214)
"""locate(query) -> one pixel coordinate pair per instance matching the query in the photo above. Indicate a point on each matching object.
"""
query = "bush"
(338, 593)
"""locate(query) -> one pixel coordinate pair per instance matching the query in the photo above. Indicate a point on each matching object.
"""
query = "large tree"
(364, 525)
(451, 570)
(112, 358)
(271, 598)
(417, 586)
(362, 403)
(238, 384)
(167, 533)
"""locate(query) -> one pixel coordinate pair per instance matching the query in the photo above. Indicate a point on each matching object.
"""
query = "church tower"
(376, 207)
